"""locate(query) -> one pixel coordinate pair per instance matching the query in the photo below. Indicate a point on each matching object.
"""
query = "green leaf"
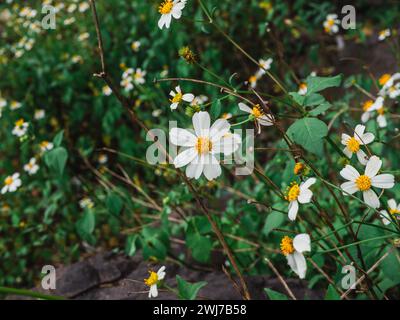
(320, 109)
(200, 246)
(114, 203)
(58, 138)
(309, 133)
(275, 295)
(391, 267)
(274, 220)
(187, 290)
(316, 84)
(130, 246)
(56, 160)
(331, 293)
(216, 109)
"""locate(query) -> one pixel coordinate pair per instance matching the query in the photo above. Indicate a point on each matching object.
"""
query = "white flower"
(302, 89)
(369, 108)
(46, 146)
(102, 159)
(202, 148)
(83, 36)
(394, 91)
(31, 167)
(384, 34)
(3, 103)
(381, 119)
(127, 84)
(106, 90)
(366, 181)
(11, 183)
(86, 203)
(83, 6)
(152, 281)
(331, 24)
(71, 8)
(135, 46)
(293, 250)
(138, 76)
(20, 128)
(265, 65)
(199, 100)
(298, 194)
(170, 9)
(39, 114)
(260, 118)
(252, 82)
(178, 97)
(353, 144)
(387, 82)
(14, 105)
(394, 209)
(69, 21)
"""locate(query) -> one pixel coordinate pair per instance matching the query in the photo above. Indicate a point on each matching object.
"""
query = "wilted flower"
(293, 249)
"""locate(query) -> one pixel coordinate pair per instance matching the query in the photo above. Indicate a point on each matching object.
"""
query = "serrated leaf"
(316, 84)
(309, 133)
(187, 290)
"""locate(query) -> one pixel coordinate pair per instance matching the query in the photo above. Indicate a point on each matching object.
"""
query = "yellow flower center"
(363, 183)
(353, 145)
(330, 22)
(8, 181)
(177, 98)
(394, 211)
(203, 145)
(257, 112)
(298, 168)
(19, 123)
(367, 105)
(287, 245)
(293, 192)
(384, 79)
(302, 86)
(381, 111)
(166, 7)
(44, 144)
(152, 279)
(253, 79)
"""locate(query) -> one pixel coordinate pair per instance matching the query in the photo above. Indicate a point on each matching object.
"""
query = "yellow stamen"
(394, 211)
(367, 105)
(253, 79)
(166, 7)
(152, 279)
(363, 183)
(19, 123)
(177, 98)
(257, 112)
(287, 245)
(8, 181)
(293, 192)
(381, 111)
(203, 145)
(385, 78)
(353, 145)
(44, 144)
(298, 168)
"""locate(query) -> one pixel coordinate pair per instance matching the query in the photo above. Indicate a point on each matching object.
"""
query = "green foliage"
(188, 291)
(274, 295)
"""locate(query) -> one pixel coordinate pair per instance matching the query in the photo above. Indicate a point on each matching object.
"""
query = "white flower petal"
(219, 129)
(383, 181)
(347, 153)
(307, 184)
(349, 173)
(298, 264)
(185, 157)
(181, 137)
(293, 209)
(373, 166)
(201, 123)
(212, 169)
(349, 187)
(188, 97)
(392, 204)
(245, 107)
(371, 199)
(367, 138)
(362, 157)
(302, 242)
